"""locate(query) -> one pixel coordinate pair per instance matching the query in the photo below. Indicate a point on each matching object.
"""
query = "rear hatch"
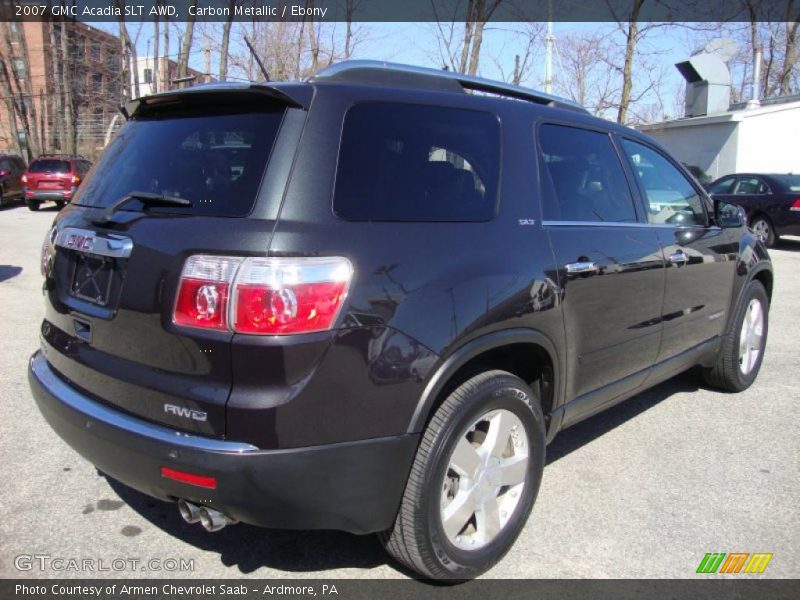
(49, 174)
(116, 260)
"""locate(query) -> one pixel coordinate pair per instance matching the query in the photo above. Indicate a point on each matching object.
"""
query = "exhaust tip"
(189, 512)
(213, 520)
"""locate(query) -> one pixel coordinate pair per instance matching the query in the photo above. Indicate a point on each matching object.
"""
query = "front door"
(700, 258)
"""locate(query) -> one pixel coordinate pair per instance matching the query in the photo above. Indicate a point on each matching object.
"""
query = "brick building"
(94, 61)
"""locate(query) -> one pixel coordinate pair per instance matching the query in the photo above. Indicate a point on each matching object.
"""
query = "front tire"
(762, 227)
(32, 205)
(743, 346)
(474, 479)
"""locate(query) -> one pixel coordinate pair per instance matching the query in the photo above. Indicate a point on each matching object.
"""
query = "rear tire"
(32, 205)
(479, 463)
(60, 204)
(743, 346)
(762, 227)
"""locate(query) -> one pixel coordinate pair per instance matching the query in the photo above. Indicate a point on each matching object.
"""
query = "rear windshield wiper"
(145, 198)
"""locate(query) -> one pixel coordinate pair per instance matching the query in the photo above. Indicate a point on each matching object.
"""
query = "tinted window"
(582, 177)
(669, 196)
(214, 160)
(49, 165)
(791, 182)
(403, 162)
(723, 186)
(749, 186)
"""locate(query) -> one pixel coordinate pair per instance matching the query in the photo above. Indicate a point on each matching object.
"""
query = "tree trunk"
(469, 23)
(22, 89)
(186, 47)
(57, 133)
(475, 52)
(790, 54)
(70, 143)
(627, 69)
(11, 109)
(226, 40)
(156, 41)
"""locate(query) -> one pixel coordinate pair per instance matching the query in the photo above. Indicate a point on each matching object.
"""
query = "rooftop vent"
(708, 80)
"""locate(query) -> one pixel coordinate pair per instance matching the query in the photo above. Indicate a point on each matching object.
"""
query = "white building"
(762, 138)
(166, 72)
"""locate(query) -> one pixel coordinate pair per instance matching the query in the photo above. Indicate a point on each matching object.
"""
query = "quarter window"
(582, 177)
(405, 162)
(723, 186)
(669, 196)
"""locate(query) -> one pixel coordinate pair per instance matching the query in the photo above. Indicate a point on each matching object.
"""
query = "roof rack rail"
(353, 70)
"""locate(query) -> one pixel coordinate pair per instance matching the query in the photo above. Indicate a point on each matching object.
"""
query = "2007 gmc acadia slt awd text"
(367, 302)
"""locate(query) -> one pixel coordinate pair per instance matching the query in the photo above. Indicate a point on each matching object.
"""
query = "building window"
(20, 69)
(16, 33)
(97, 83)
(95, 50)
(148, 75)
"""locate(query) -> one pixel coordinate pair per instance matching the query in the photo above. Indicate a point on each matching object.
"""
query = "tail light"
(48, 249)
(266, 296)
(24, 179)
(795, 207)
(75, 180)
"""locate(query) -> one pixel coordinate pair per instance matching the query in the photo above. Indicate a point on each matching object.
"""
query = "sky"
(414, 43)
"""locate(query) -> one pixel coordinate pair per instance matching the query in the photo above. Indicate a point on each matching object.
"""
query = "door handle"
(678, 258)
(582, 266)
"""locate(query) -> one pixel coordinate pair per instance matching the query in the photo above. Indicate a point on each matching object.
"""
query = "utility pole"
(548, 50)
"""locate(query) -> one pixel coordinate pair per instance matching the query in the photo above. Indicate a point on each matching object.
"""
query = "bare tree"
(18, 74)
(186, 46)
(130, 67)
(459, 45)
(226, 40)
(156, 43)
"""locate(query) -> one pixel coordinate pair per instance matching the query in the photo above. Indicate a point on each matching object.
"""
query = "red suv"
(54, 178)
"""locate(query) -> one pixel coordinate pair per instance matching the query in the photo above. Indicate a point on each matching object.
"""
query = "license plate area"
(93, 278)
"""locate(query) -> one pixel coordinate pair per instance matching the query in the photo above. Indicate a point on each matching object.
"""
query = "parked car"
(378, 320)
(771, 201)
(11, 169)
(53, 178)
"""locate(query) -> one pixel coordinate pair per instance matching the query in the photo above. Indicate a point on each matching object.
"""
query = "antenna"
(258, 60)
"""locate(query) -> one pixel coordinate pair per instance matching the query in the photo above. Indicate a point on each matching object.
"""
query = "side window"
(669, 196)
(406, 162)
(582, 177)
(723, 186)
(748, 186)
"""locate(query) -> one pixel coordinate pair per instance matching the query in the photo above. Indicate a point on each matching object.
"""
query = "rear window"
(792, 182)
(404, 162)
(49, 165)
(214, 160)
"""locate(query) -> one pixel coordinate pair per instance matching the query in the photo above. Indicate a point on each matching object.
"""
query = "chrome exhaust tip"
(213, 520)
(189, 512)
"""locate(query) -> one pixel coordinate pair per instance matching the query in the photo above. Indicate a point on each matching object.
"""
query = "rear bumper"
(49, 195)
(354, 486)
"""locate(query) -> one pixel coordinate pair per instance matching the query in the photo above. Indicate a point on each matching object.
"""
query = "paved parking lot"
(643, 490)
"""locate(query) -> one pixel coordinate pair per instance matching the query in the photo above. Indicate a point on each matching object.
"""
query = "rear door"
(112, 285)
(611, 265)
(700, 258)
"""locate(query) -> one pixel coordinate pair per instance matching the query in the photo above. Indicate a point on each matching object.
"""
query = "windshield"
(49, 166)
(792, 182)
(216, 161)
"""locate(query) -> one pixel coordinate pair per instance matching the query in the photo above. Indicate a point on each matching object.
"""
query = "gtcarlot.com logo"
(734, 562)
(47, 562)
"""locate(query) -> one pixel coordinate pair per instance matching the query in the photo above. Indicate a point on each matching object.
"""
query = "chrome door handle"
(678, 258)
(582, 266)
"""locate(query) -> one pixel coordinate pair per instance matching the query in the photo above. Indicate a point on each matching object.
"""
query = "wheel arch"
(522, 351)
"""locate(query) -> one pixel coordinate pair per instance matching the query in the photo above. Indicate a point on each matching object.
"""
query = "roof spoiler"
(297, 95)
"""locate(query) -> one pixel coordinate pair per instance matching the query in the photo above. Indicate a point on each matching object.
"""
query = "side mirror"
(729, 216)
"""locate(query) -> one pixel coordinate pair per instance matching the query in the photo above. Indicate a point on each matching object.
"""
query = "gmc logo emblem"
(186, 413)
(80, 242)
